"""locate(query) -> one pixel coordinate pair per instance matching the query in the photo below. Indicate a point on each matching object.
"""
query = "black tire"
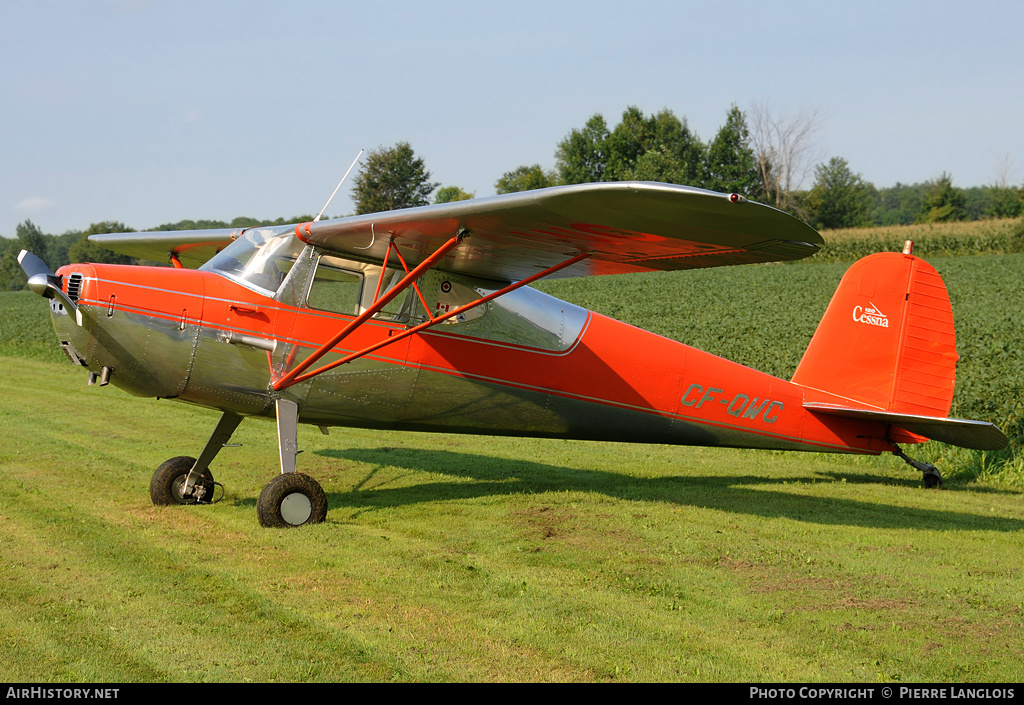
(165, 486)
(932, 479)
(291, 499)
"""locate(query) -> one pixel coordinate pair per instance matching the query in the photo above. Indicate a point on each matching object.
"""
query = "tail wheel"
(169, 478)
(291, 499)
(932, 478)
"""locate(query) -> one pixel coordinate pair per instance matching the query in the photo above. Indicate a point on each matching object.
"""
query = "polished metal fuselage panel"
(151, 347)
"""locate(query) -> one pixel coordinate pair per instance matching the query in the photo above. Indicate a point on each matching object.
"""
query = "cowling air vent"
(74, 286)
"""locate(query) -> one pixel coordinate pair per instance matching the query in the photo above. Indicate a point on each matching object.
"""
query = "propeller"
(42, 281)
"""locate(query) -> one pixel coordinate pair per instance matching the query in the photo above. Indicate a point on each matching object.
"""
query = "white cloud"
(33, 205)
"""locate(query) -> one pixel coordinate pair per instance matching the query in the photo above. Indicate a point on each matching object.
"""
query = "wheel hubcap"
(176, 489)
(296, 508)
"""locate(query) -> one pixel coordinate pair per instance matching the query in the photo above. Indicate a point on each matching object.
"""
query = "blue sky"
(152, 111)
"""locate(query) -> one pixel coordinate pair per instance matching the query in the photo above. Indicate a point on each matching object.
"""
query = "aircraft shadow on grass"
(494, 476)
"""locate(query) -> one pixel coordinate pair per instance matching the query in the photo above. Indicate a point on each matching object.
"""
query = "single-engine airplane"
(423, 320)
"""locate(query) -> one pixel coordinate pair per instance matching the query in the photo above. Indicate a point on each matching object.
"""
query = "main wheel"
(169, 478)
(291, 499)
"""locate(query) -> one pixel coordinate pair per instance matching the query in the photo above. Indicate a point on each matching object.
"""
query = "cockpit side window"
(334, 288)
(346, 286)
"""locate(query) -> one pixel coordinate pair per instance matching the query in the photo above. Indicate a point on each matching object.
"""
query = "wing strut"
(291, 377)
(296, 376)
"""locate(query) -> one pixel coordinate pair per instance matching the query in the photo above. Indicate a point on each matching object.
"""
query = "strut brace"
(299, 374)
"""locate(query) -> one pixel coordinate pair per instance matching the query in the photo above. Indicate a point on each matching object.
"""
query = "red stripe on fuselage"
(611, 363)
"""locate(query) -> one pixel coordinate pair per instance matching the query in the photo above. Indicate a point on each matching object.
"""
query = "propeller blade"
(31, 264)
(42, 282)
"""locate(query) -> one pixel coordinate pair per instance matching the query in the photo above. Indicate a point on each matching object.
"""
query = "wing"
(623, 226)
(191, 247)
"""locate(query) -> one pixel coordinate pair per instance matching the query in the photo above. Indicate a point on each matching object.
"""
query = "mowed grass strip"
(484, 559)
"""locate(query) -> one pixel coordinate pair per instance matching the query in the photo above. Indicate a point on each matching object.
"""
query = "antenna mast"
(318, 215)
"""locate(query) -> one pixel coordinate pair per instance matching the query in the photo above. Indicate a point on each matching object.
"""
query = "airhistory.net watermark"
(42, 693)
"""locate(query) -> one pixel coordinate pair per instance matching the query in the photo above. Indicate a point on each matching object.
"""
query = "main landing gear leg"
(186, 480)
(931, 475)
(291, 498)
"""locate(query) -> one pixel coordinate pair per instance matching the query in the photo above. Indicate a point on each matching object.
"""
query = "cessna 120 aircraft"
(423, 320)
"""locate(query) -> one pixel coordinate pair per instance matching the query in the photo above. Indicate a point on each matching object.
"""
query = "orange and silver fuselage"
(528, 364)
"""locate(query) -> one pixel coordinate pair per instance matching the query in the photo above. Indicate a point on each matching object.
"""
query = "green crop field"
(464, 558)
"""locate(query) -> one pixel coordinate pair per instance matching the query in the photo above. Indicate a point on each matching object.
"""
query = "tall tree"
(839, 197)
(943, 202)
(582, 156)
(674, 137)
(672, 155)
(656, 148)
(31, 238)
(525, 178)
(662, 165)
(392, 178)
(899, 204)
(731, 165)
(630, 139)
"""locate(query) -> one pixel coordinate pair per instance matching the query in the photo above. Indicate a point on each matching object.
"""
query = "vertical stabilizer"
(887, 338)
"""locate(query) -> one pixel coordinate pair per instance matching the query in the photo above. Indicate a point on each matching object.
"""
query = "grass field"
(463, 558)
(497, 559)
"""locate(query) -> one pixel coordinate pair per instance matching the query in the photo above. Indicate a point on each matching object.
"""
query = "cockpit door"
(372, 390)
(232, 362)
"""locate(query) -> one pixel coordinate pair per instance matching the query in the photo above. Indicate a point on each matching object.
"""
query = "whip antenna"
(338, 186)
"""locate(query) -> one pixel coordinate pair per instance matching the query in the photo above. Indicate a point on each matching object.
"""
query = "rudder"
(887, 339)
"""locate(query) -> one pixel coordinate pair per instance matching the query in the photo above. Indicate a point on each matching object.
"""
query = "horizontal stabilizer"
(978, 435)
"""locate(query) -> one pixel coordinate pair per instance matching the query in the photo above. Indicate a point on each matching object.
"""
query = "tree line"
(764, 162)
(75, 246)
(763, 158)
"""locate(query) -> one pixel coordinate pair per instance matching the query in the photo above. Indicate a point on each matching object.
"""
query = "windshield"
(259, 258)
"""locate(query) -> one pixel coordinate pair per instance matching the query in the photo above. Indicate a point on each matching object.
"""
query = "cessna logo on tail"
(870, 315)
